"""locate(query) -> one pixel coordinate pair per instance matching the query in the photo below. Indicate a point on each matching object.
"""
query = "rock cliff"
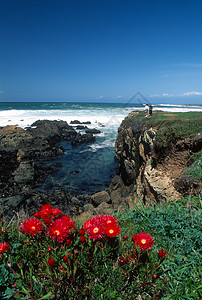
(153, 173)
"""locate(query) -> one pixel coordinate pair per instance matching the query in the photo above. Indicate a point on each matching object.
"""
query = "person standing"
(150, 109)
(146, 110)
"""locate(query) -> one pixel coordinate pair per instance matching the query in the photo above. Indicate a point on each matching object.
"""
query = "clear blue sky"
(101, 50)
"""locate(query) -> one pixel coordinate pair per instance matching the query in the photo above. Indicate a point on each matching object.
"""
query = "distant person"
(150, 110)
(146, 110)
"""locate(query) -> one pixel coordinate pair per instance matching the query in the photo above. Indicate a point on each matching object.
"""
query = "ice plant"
(143, 240)
(51, 262)
(102, 225)
(162, 253)
(112, 230)
(95, 232)
(83, 239)
(82, 231)
(47, 212)
(4, 247)
(32, 226)
(60, 229)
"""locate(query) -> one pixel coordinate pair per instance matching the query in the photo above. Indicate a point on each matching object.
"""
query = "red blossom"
(143, 240)
(95, 232)
(162, 253)
(47, 220)
(51, 262)
(65, 258)
(58, 229)
(125, 237)
(102, 225)
(88, 224)
(82, 231)
(56, 211)
(83, 239)
(112, 230)
(68, 242)
(65, 217)
(4, 247)
(32, 226)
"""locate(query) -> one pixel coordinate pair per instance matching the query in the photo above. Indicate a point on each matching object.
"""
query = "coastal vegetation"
(145, 253)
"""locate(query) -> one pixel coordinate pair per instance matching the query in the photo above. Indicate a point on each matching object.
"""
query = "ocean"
(85, 168)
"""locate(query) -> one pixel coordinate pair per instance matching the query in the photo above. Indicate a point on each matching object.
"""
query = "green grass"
(195, 170)
(176, 227)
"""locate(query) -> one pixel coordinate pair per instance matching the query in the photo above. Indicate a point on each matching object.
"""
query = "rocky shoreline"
(142, 173)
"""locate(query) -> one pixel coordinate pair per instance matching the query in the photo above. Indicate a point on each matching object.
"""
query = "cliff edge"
(154, 155)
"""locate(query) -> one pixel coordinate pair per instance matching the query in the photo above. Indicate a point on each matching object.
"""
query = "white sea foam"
(109, 117)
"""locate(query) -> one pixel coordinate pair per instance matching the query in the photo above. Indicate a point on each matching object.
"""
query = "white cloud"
(186, 94)
(194, 93)
(100, 97)
(162, 95)
(120, 97)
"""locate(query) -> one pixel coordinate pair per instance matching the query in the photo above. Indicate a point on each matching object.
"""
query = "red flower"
(32, 226)
(88, 224)
(4, 247)
(58, 230)
(112, 230)
(109, 219)
(47, 220)
(143, 240)
(96, 232)
(56, 211)
(83, 239)
(82, 231)
(65, 258)
(65, 217)
(162, 253)
(68, 242)
(125, 237)
(51, 262)
(100, 225)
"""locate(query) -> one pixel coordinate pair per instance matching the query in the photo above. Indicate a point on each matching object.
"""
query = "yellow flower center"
(111, 231)
(33, 228)
(95, 230)
(143, 241)
(57, 232)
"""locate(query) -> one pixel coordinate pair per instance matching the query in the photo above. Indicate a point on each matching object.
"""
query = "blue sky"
(101, 50)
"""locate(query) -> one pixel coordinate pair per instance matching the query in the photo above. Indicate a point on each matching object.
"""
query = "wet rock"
(93, 131)
(82, 139)
(100, 197)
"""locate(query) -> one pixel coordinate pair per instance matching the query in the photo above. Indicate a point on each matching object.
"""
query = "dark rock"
(83, 139)
(75, 122)
(81, 127)
(100, 197)
(93, 131)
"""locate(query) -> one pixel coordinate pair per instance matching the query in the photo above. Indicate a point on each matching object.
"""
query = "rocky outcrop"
(20, 171)
(83, 139)
(150, 175)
